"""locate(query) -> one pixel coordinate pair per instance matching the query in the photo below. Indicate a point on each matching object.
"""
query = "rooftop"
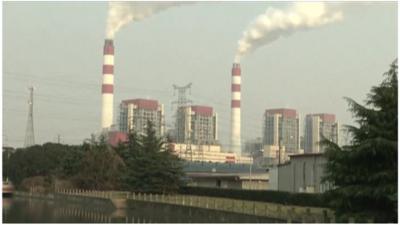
(220, 167)
(148, 104)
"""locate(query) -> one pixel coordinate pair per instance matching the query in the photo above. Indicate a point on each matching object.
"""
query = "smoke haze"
(275, 23)
(122, 13)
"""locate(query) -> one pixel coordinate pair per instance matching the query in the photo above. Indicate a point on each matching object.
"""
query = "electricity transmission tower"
(29, 133)
(182, 99)
(182, 125)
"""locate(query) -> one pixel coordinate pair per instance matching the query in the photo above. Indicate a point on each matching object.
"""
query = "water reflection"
(26, 210)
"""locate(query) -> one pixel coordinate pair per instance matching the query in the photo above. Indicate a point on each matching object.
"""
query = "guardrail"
(288, 213)
(92, 193)
(271, 210)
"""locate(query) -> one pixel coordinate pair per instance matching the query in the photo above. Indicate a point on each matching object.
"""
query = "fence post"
(266, 209)
(254, 208)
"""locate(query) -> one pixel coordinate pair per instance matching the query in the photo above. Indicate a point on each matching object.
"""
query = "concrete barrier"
(119, 200)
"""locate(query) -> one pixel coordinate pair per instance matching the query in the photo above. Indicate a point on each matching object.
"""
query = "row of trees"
(144, 163)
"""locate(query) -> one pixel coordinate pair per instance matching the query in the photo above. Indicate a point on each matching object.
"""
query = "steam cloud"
(275, 23)
(122, 13)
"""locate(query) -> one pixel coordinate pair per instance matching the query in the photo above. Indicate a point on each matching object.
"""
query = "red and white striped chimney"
(235, 109)
(107, 88)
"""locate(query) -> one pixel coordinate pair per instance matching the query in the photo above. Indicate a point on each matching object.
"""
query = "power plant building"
(207, 153)
(135, 113)
(281, 128)
(198, 125)
(318, 126)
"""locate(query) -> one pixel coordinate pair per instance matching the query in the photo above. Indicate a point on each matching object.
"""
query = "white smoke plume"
(275, 23)
(122, 13)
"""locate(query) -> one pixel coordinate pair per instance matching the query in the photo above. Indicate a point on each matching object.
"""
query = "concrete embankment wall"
(121, 200)
(287, 213)
(80, 199)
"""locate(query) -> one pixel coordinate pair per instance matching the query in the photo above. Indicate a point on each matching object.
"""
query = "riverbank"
(121, 200)
(38, 210)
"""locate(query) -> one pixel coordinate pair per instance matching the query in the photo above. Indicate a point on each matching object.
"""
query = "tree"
(101, 167)
(37, 160)
(6, 162)
(129, 152)
(364, 173)
(150, 167)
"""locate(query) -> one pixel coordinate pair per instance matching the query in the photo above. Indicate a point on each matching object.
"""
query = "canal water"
(31, 210)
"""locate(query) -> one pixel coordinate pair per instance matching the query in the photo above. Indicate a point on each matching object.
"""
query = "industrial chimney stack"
(235, 109)
(107, 88)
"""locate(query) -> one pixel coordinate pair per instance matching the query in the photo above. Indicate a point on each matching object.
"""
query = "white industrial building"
(196, 125)
(226, 175)
(316, 126)
(282, 128)
(135, 113)
(303, 173)
(208, 153)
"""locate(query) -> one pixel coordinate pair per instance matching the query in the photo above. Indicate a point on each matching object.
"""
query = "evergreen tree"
(101, 167)
(150, 167)
(364, 173)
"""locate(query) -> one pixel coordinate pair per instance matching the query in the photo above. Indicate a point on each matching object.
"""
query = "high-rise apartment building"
(199, 125)
(316, 126)
(135, 113)
(281, 127)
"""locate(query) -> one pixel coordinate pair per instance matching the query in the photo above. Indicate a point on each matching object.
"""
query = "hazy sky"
(57, 47)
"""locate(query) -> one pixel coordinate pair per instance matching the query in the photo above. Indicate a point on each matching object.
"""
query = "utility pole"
(29, 133)
(58, 138)
(251, 182)
(280, 146)
(182, 125)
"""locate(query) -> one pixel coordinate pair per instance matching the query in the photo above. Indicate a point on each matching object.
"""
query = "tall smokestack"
(235, 109)
(107, 88)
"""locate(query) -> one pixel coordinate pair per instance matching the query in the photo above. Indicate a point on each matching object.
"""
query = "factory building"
(135, 113)
(197, 125)
(303, 173)
(316, 126)
(281, 127)
(207, 153)
(226, 175)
